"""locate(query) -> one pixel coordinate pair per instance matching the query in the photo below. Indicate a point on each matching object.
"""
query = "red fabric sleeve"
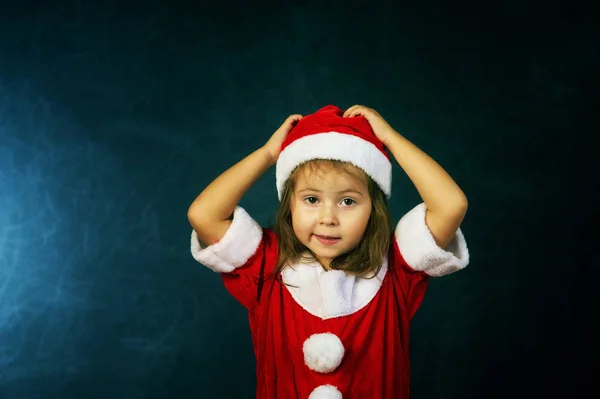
(410, 284)
(244, 254)
(244, 282)
(415, 256)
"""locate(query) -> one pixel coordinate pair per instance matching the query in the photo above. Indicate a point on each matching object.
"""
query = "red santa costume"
(328, 334)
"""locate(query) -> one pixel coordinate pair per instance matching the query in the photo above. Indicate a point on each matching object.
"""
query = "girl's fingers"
(349, 111)
(354, 110)
(292, 120)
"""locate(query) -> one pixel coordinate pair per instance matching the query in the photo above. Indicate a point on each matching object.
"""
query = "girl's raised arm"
(212, 211)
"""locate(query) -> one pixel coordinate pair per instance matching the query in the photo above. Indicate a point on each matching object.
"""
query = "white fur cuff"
(234, 249)
(421, 252)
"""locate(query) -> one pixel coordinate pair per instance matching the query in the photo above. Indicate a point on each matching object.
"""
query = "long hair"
(366, 258)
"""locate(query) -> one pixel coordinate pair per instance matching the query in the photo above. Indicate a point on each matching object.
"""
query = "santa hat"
(326, 134)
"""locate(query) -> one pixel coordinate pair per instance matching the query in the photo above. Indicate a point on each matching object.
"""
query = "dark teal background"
(114, 116)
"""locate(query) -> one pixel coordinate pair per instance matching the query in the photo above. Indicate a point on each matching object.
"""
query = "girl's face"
(330, 211)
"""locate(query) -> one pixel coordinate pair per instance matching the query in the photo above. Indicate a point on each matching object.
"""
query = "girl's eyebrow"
(349, 190)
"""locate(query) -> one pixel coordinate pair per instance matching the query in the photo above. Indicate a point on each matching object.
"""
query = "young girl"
(331, 289)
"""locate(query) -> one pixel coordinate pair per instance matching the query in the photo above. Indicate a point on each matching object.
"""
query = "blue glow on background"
(96, 295)
(40, 292)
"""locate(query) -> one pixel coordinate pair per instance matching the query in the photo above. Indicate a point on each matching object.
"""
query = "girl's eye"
(348, 201)
(311, 200)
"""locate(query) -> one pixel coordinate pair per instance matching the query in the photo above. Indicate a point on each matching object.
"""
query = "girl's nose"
(328, 215)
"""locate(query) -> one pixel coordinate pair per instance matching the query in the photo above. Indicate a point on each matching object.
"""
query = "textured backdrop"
(114, 117)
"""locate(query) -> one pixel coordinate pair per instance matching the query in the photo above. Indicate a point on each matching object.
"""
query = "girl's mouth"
(327, 240)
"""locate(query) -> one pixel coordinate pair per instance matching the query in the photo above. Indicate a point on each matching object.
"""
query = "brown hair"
(366, 258)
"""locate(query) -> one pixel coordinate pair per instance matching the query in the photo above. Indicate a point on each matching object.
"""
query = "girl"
(331, 289)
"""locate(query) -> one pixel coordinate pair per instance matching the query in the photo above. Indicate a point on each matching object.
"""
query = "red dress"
(331, 335)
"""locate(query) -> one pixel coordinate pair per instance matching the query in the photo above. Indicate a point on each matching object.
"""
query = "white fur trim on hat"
(325, 392)
(335, 146)
(240, 242)
(421, 252)
(323, 353)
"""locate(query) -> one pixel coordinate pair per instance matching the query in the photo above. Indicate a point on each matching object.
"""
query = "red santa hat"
(326, 134)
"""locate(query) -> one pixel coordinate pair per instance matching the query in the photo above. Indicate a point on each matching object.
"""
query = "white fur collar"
(329, 294)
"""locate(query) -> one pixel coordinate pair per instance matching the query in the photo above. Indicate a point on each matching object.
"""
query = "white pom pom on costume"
(325, 392)
(323, 353)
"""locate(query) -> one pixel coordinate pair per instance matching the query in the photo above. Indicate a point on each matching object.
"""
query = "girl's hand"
(273, 146)
(380, 127)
